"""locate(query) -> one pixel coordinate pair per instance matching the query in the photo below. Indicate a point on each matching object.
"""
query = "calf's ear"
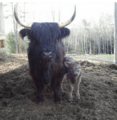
(83, 63)
(77, 64)
(67, 64)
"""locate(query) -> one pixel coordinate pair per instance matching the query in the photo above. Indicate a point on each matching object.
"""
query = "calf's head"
(73, 69)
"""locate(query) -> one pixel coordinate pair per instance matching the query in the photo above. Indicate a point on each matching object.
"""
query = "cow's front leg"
(56, 86)
(40, 87)
(77, 87)
(40, 93)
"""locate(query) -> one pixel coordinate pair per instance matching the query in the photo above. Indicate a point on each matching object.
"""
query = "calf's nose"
(75, 73)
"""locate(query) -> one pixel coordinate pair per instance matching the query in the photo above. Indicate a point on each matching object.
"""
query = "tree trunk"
(16, 39)
(2, 34)
(107, 43)
(82, 44)
(24, 21)
(15, 30)
(98, 45)
(75, 38)
(2, 30)
(90, 47)
(103, 44)
(115, 35)
(111, 45)
(19, 41)
(85, 44)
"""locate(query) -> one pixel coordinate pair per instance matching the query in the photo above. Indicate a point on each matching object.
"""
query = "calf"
(73, 71)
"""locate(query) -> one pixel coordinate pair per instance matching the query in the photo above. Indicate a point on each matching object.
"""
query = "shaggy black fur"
(44, 34)
(45, 38)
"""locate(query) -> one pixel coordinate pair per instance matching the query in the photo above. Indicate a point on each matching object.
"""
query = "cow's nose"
(49, 54)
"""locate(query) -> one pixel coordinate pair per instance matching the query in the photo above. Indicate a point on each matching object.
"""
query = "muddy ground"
(98, 91)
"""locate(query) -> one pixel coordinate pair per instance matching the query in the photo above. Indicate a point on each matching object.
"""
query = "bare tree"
(90, 44)
(15, 29)
(25, 44)
(1, 19)
(115, 35)
(53, 14)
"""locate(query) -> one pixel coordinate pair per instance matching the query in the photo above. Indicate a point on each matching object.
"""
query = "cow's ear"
(24, 32)
(83, 63)
(64, 32)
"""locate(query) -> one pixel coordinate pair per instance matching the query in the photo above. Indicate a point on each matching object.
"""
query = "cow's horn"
(69, 21)
(17, 19)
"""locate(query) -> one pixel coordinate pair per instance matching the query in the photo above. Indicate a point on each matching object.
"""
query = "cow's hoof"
(40, 98)
(58, 101)
(57, 97)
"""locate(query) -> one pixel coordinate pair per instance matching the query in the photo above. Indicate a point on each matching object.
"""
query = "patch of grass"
(104, 57)
(101, 57)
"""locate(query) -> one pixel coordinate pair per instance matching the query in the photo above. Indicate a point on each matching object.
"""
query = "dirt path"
(17, 94)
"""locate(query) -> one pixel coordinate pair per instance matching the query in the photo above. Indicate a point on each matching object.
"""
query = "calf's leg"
(77, 86)
(71, 88)
(61, 87)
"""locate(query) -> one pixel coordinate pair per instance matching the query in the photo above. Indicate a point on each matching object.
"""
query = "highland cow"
(46, 54)
(73, 70)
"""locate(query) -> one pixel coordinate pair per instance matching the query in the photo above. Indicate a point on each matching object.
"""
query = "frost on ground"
(98, 92)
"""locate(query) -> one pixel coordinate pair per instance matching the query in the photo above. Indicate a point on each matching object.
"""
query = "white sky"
(42, 11)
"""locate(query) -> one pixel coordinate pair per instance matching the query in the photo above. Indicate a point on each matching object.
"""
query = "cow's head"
(49, 32)
(45, 40)
(73, 69)
(46, 34)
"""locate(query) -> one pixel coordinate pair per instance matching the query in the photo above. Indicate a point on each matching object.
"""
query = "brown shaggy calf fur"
(73, 70)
